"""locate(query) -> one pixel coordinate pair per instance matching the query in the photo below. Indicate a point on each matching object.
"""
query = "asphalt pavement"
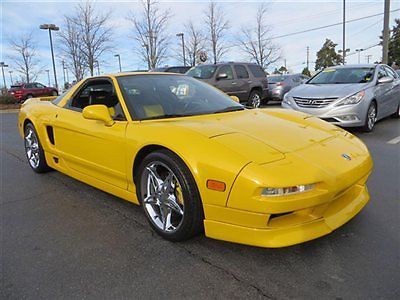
(62, 239)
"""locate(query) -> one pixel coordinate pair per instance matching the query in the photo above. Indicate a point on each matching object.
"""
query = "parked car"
(25, 91)
(349, 96)
(246, 81)
(279, 85)
(196, 160)
(176, 69)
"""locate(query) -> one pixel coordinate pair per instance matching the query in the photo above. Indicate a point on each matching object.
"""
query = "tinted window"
(256, 70)
(343, 76)
(29, 86)
(382, 73)
(241, 71)
(226, 70)
(390, 72)
(39, 85)
(202, 72)
(181, 70)
(166, 96)
(275, 79)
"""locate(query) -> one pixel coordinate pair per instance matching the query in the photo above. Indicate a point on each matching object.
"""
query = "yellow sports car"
(196, 160)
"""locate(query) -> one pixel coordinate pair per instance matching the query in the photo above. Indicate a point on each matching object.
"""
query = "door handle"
(249, 81)
(234, 83)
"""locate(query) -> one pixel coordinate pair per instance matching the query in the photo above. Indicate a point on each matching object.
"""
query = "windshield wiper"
(229, 109)
(167, 116)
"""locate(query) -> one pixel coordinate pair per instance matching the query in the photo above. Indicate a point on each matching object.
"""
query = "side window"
(241, 72)
(227, 70)
(381, 73)
(390, 72)
(39, 86)
(29, 86)
(256, 70)
(94, 92)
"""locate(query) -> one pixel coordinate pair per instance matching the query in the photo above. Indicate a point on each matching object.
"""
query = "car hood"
(261, 135)
(326, 90)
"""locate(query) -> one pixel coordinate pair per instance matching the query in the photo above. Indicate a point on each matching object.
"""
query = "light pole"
(51, 27)
(98, 66)
(11, 79)
(63, 67)
(181, 35)
(48, 76)
(3, 65)
(344, 54)
(359, 52)
(119, 61)
(344, 32)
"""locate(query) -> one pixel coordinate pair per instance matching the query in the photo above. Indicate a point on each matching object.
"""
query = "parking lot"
(62, 239)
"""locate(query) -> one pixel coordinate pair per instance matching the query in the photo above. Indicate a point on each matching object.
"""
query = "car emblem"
(346, 156)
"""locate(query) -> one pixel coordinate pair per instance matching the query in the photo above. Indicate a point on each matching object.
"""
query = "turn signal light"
(216, 185)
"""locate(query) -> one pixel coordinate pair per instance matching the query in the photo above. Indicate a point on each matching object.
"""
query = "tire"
(54, 93)
(396, 114)
(255, 99)
(34, 150)
(169, 196)
(29, 96)
(370, 118)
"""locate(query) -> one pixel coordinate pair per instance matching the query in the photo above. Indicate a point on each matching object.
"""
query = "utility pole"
(308, 58)
(63, 67)
(368, 57)
(11, 79)
(51, 27)
(98, 67)
(181, 35)
(3, 65)
(344, 32)
(386, 32)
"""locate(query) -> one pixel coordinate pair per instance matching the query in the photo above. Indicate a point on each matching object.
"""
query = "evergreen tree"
(306, 72)
(327, 56)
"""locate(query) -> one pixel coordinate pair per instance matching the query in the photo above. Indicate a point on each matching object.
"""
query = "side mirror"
(222, 76)
(98, 112)
(385, 79)
(234, 98)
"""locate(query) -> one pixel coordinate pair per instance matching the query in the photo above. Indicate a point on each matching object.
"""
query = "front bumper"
(344, 116)
(262, 230)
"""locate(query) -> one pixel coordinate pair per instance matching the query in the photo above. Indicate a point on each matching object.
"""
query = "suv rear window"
(256, 71)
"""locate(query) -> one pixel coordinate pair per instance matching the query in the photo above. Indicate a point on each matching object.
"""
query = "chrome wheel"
(371, 117)
(255, 100)
(162, 197)
(32, 148)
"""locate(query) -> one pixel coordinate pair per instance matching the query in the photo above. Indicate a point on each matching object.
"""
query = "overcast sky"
(284, 17)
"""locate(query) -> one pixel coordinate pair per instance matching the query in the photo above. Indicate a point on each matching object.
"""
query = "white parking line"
(394, 141)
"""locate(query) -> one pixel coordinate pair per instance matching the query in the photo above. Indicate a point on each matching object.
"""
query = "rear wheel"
(371, 117)
(34, 151)
(169, 196)
(255, 99)
(54, 93)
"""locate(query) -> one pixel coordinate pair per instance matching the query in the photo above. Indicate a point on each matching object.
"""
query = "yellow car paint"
(247, 150)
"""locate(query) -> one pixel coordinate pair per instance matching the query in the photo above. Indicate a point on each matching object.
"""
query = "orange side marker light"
(216, 185)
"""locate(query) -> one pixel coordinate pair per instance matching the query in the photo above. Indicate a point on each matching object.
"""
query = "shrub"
(7, 99)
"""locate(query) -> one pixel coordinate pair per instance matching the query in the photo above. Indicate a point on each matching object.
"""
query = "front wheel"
(370, 118)
(169, 196)
(54, 93)
(255, 99)
(34, 151)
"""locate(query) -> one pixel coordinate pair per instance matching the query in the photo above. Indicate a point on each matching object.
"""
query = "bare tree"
(257, 43)
(25, 57)
(195, 42)
(217, 26)
(70, 41)
(150, 33)
(94, 34)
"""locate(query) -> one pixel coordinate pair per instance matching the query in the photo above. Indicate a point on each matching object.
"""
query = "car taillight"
(280, 84)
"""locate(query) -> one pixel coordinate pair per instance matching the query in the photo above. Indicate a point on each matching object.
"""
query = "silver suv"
(349, 96)
(246, 81)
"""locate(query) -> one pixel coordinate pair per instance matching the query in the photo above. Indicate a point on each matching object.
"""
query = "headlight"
(353, 99)
(284, 191)
(287, 99)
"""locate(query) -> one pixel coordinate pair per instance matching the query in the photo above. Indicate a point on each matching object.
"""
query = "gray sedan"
(349, 96)
(279, 85)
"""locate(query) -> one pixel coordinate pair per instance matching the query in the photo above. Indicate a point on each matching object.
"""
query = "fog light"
(348, 118)
(287, 190)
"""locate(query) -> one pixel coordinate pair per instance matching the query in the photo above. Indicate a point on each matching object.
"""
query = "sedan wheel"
(370, 118)
(169, 196)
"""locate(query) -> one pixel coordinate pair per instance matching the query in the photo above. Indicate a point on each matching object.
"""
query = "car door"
(227, 83)
(29, 89)
(394, 93)
(243, 82)
(383, 93)
(88, 146)
(40, 89)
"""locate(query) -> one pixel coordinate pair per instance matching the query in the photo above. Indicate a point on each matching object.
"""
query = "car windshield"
(275, 79)
(343, 76)
(202, 72)
(171, 96)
